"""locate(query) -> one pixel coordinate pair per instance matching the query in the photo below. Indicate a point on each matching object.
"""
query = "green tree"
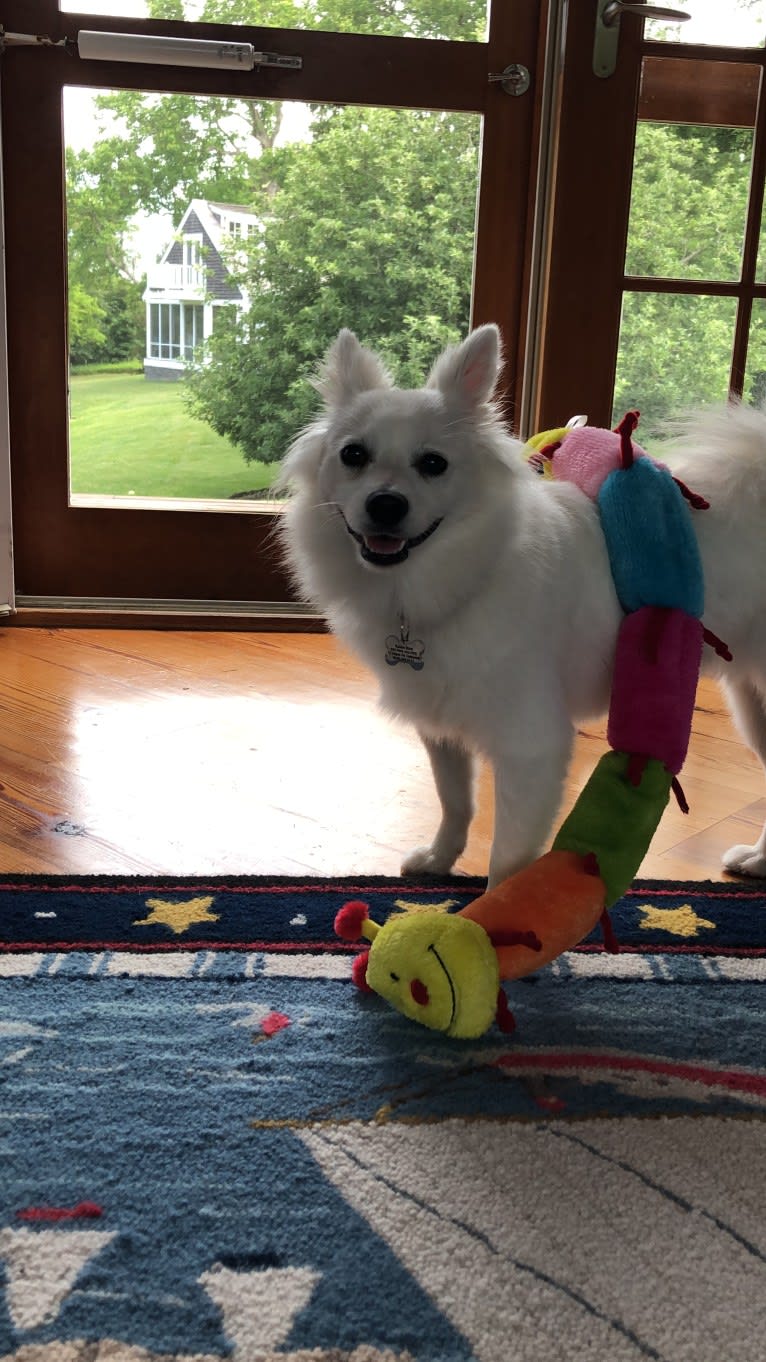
(690, 187)
(86, 325)
(106, 318)
(371, 228)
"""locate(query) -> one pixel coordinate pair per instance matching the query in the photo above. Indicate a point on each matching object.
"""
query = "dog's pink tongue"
(383, 543)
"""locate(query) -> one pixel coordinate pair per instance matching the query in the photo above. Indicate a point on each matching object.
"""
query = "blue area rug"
(211, 1145)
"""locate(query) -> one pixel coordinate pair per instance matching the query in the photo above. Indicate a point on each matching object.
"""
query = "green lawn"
(129, 437)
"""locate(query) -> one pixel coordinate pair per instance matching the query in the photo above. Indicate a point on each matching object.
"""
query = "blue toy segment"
(656, 671)
(651, 541)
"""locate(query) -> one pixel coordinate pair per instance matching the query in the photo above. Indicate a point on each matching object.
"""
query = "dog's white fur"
(511, 595)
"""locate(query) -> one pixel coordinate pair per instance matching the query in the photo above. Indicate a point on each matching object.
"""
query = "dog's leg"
(528, 788)
(748, 706)
(452, 766)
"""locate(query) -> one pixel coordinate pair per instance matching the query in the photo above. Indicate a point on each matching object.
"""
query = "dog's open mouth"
(386, 550)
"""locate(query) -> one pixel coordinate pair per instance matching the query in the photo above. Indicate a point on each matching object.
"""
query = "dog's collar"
(389, 559)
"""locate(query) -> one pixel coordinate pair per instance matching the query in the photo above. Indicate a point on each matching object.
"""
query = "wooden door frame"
(176, 555)
(589, 213)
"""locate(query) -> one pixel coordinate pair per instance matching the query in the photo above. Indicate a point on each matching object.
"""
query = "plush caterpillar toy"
(445, 970)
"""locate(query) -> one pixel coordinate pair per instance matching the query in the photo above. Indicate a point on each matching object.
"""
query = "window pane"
(755, 373)
(349, 217)
(735, 23)
(675, 354)
(689, 201)
(175, 330)
(761, 263)
(418, 19)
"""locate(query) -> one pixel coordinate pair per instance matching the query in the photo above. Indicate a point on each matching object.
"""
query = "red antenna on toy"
(625, 430)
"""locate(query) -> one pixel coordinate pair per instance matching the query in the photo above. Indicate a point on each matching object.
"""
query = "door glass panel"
(689, 201)
(216, 247)
(735, 23)
(761, 262)
(454, 19)
(675, 354)
(755, 372)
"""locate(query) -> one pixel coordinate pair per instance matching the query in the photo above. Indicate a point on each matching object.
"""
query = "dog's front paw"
(426, 861)
(744, 860)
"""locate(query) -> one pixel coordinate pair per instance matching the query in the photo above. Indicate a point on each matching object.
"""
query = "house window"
(235, 228)
(192, 260)
(192, 319)
(176, 330)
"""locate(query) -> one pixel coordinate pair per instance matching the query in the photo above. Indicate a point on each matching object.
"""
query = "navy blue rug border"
(289, 914)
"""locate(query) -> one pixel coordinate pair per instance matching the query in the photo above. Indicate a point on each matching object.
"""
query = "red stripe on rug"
(85, 1210)
(168, 947)
(340, 948)
(738, 1080)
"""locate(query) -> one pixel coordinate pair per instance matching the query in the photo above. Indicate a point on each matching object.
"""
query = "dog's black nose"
(386, 508)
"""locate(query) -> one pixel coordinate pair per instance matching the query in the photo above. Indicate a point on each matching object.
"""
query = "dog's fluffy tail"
(724, 447)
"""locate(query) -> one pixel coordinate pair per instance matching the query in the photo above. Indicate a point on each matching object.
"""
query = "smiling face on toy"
(439, 970)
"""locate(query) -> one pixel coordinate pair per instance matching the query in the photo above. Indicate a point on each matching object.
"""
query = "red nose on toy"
(419, 992)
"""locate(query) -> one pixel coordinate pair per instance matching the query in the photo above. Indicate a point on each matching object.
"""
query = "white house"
(191, 283)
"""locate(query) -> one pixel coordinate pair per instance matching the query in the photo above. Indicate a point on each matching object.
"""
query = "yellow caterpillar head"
(438, 969)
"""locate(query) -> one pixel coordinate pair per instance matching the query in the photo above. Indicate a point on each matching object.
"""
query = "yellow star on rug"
(683, 921)
(405, 906)
(179, 917)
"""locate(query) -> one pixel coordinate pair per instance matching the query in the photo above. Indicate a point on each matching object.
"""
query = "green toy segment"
(615, 820)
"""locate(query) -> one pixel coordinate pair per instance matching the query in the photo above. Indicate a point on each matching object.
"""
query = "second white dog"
(480, 594)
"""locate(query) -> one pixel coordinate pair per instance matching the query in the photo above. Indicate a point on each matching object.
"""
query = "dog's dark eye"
(354, 456)
(431, 465)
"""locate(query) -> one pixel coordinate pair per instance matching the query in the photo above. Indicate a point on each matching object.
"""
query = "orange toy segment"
(555, 898)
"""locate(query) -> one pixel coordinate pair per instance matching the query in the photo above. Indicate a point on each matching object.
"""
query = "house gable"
(191, 283)
(219, 285)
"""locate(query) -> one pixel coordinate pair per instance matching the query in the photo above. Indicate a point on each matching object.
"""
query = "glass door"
(190, 240)
(657, 277)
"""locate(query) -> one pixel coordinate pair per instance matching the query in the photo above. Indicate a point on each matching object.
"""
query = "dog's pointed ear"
(349, 369)
(469, 372)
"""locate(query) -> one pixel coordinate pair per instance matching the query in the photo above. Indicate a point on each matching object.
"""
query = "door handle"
(607, 35)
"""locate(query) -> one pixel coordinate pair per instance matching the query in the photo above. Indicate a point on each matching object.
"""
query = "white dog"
(480, 594)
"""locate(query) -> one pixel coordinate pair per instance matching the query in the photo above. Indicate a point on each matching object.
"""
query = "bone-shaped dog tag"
(401, 649)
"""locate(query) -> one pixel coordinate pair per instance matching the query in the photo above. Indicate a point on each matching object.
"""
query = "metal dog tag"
(402, 650)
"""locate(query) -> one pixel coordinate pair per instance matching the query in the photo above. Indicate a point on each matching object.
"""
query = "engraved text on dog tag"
(400, 649)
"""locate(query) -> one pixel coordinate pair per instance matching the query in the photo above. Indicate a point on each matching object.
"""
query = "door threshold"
(82, 612)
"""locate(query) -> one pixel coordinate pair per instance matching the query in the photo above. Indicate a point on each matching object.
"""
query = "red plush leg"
(611, 943)
(504, 1017)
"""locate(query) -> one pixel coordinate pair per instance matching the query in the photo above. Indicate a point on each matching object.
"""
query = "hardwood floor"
(182, 753)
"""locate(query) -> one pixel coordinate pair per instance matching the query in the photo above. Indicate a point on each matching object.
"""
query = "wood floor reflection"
(205, 753)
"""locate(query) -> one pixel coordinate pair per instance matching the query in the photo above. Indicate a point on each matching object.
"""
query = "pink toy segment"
(588, 455)
(655, 682)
